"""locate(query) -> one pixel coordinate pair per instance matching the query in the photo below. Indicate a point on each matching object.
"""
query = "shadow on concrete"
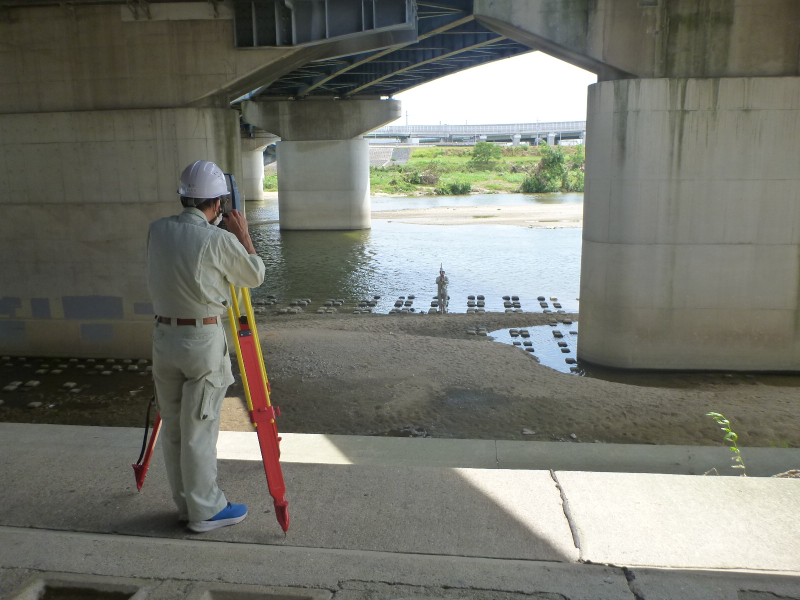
(53, 481)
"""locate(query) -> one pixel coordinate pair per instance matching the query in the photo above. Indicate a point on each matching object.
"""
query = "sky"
(523, 89)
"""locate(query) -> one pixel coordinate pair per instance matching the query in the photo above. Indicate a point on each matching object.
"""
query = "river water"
(398, 259)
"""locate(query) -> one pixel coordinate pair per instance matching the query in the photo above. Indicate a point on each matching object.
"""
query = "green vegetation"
(484, 168)
(484, 152)
(271, 183)
(556, 171)
(731, 438)
(453, 188)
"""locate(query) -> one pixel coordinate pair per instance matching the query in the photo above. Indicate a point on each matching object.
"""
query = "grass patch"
(435, 170)
(271, 183)
(448, 171)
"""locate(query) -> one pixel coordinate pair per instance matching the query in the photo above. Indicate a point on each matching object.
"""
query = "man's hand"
(237, 225)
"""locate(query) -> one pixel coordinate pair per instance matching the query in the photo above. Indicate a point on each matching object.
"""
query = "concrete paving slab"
(643, 458)
(666, 584)
(433, 452)
(624, 458)
(466, 512)
(365, 450)
(686, 521)
(503, 454)
(265, 565)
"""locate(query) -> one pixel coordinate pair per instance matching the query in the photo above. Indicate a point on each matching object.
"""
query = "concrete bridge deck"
(382, 519)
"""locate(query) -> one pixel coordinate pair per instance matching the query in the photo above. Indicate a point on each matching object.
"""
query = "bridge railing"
(506, 128)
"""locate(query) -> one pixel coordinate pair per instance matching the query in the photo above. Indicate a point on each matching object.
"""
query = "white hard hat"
(202, 179)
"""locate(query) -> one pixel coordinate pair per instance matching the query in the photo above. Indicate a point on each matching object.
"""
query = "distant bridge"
(514, 132)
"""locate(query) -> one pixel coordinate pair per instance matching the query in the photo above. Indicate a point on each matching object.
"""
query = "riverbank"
(542, 215)
(407, 375)
(481, 169)
(548, 216)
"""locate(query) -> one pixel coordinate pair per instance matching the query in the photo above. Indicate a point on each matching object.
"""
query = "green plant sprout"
(731, 438)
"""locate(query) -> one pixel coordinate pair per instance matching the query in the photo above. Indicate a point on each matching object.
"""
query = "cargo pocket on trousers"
(213, 394)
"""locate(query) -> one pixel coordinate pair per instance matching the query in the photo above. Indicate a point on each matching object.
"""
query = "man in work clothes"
(190, 264)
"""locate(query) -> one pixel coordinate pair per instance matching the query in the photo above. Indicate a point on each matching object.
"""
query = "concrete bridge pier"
(82, 188)
(691, 239)
(252, 183)
(323, 160)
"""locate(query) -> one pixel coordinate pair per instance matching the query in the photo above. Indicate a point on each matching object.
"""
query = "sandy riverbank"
(547, 216)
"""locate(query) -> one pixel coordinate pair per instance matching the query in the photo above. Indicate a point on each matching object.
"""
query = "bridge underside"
(448, 40)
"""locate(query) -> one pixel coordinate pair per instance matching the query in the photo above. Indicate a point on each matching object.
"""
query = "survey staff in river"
(190, 265)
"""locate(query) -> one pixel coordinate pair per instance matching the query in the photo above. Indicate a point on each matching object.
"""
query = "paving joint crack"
(576, 539)
(630, 577)
(538, 594)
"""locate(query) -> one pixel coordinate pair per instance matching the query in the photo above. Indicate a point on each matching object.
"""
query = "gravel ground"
(425, 376)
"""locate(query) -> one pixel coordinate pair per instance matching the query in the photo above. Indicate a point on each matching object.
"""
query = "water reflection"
(313, 264)
(554, 346)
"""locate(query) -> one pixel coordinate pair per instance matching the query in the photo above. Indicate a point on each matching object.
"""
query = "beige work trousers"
(192, 371)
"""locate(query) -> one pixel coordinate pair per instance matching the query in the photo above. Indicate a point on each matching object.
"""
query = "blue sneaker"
(230, 515)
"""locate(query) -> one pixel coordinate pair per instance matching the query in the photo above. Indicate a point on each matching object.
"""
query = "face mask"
(218, 218)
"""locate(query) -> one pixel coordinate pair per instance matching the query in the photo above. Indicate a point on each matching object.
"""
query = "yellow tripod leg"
(251, 319)
(233, 317)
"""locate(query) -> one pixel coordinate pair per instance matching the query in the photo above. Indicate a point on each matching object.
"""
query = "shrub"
(573, 182)
(556, 171)
(460, 188)
(453, 188)
(413, 177)
(554, 161)
(270, 183)
(533, 184)
(429, 178)
(577, 159)
(484, 152)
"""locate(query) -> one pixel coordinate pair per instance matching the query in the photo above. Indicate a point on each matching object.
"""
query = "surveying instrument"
(256, 389)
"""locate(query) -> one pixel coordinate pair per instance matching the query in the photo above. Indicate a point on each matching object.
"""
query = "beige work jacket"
(190, 264)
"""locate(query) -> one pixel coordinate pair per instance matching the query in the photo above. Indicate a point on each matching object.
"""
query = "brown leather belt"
(206, 321)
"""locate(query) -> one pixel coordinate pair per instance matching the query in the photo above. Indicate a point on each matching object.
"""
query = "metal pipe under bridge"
(558, 130)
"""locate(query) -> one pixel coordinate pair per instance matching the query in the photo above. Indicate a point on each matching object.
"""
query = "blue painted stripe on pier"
(92, 307)
(9, 306)
(40, 308)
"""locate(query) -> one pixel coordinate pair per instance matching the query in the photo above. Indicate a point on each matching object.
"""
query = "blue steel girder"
(449, 40)
(295, 23)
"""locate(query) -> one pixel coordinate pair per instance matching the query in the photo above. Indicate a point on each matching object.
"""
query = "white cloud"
(523, 89)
